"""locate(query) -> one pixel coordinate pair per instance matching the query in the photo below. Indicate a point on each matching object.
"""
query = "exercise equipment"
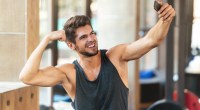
(147, 74)
(191, 100)
(165, 105)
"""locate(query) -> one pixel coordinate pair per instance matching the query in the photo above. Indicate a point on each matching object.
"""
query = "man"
(98, 80)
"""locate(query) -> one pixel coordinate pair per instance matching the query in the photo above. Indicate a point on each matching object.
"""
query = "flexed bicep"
(48, 76)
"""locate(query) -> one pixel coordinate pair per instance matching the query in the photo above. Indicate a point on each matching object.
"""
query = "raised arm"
(153, 38)
(49, 76)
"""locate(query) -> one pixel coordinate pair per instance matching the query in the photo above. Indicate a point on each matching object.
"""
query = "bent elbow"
(23, 79)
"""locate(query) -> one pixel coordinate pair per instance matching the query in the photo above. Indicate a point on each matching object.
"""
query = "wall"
(19, 35)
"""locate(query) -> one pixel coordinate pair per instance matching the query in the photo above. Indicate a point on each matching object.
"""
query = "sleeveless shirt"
(107, 92)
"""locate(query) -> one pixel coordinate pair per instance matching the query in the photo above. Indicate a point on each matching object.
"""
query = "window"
(45, 27)
(196, 25)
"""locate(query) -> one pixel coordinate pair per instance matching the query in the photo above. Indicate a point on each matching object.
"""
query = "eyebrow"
(86, 34)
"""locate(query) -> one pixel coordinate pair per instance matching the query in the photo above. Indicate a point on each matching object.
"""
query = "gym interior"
(168, 76)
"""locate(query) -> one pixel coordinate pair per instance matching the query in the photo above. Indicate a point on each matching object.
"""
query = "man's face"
(86, 41)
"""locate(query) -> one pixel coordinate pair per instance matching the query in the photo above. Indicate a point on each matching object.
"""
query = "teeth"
(91, 46)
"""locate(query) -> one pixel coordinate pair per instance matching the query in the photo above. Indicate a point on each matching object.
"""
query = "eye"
(83, 37)
(93, 33)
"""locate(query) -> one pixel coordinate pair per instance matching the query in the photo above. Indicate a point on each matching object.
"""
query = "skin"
(86, 42)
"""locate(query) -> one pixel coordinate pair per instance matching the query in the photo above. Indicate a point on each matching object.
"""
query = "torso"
(69, 84)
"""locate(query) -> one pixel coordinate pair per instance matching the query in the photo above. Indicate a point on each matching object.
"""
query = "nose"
(91, 38)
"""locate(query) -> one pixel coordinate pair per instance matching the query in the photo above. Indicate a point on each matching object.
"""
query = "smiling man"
(98, 80)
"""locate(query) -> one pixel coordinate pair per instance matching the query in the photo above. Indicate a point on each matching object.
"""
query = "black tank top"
(107, 92)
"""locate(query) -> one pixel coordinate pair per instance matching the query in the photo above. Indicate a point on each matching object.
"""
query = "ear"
(70, 45)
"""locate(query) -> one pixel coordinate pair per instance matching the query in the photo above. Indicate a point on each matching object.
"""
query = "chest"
(92, 73)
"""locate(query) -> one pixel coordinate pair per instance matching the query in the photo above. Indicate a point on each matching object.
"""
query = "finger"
(168, 14)
(63, 35)
(61, 40)
(170, 17)
(62, 31)
(59, 35)
(166, 11)
(163, 8)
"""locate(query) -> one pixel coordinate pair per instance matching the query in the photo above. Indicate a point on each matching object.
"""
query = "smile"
(90, 45)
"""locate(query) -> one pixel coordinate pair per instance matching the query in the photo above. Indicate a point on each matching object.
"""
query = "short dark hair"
(73, 23)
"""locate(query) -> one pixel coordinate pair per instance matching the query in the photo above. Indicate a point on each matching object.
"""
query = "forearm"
(158, 33)
(33, 63)
(153, 38)
(166, 14)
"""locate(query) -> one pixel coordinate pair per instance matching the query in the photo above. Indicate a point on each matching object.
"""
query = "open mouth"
(90, 45)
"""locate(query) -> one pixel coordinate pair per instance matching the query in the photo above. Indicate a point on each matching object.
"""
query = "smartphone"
(157, 5)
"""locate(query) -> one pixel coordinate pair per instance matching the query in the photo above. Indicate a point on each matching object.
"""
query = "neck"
(90, 62)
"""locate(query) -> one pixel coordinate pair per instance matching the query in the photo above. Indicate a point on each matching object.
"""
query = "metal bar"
(54, 27)
(88, 10)
(169, 88)
(53, 45)
(184, 24)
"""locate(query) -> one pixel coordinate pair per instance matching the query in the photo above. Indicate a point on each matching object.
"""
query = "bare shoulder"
(116, 52)
(115, 56)
(65, 67)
